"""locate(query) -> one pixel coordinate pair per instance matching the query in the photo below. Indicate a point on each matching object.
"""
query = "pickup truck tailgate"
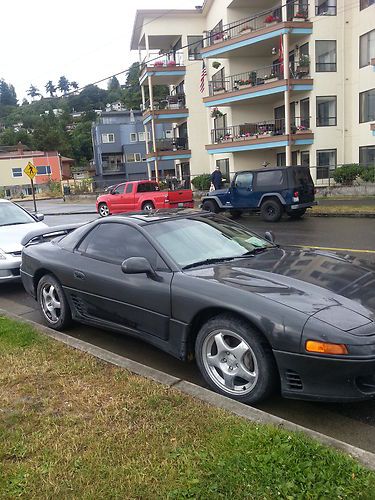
(184, 196)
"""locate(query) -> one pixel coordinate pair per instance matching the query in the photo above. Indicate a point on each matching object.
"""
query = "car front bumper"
(10, 269)
(326, 378)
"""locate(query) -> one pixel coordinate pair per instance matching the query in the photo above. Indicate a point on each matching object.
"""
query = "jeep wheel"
(210, 206)
(271, 210)
(297, 214)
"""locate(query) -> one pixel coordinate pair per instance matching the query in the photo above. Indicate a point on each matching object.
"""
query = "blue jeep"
(270, 191)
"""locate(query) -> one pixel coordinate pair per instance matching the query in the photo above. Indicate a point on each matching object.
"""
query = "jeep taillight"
(296, 194)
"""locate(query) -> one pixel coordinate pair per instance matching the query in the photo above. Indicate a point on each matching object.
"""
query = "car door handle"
(79, 275)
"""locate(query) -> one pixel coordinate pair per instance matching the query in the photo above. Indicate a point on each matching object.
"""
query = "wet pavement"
(353, 423)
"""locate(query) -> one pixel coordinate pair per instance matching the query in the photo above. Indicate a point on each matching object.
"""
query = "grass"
(72, 426)
(343, 209)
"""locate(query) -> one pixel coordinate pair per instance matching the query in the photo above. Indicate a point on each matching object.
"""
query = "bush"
(368, 174)
(202, 182)
(347, 173)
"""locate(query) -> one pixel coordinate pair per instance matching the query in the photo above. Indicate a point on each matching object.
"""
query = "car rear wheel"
(148, 206)
(53, 304)
(235, 359)
(271, 210)
(210, 206)
(297, 214)
(103, 210)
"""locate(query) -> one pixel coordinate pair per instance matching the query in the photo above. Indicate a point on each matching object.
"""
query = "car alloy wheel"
(50, 303)
(230, 362)
(103, 210)
(148, 207)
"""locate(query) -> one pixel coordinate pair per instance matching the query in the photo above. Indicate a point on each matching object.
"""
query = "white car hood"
(11, 236)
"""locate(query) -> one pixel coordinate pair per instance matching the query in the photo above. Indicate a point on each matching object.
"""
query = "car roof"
(158, 215)
(4, 201)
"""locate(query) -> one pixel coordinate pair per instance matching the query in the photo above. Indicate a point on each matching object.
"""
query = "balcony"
(169, 108)
(169, 149)
(110, 168)
(261, 82)
(240, 35)
(165, 69)
(261, 135)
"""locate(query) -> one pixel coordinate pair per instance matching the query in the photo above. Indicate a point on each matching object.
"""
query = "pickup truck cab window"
(244, 181)
(129, 187)
(119, 189)
(147, 187)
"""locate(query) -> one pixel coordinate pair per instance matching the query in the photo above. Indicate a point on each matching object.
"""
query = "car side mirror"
(269, 236)
(138, 265)
(39, 217)
(112, 191)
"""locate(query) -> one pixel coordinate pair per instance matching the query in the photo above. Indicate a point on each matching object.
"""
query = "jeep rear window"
(301, 176)
(271, 178)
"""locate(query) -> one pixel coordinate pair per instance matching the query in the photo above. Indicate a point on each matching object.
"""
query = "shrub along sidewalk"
(72, 426)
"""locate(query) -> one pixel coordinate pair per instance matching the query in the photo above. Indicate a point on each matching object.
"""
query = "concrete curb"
(86, 212)
(349, 214)
(250, 413)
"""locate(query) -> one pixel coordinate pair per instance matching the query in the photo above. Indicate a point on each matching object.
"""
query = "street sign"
(30, 170)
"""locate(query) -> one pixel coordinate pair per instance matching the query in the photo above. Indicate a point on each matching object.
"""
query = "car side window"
(272, 178)
(129, 187)
(114, 242)
(119, 189)
(244, 180)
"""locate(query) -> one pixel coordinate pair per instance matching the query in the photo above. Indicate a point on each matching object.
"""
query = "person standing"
(217, 178)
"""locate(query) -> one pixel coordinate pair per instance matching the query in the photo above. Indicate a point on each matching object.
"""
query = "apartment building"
(119, 146)
(288, 83)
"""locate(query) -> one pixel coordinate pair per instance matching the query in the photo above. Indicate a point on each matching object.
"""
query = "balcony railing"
(176, 144)
(113, 168)
(260, 130)
(177, 101)
(295, 10)
(155, 59)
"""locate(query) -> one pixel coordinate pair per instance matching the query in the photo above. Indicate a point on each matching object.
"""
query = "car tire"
(271, 210)
(235, 359)
(148, 206)
(53, 304)
(236, 214)
(297, 214)
(210, 206)
(103, 210)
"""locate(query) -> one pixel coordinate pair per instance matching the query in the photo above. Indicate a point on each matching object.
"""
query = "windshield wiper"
(208, 261)
(13, 224)
(254, 251)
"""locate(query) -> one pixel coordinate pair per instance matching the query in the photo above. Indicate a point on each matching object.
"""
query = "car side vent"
(293, 380)
(79, 305)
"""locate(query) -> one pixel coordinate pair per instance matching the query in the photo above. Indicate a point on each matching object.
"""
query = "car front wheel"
(235, 359)
(210, 206)
(53, 304)
(103, 210)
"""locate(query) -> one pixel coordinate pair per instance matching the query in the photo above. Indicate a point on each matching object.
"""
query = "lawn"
(72, 426)
(342, 209)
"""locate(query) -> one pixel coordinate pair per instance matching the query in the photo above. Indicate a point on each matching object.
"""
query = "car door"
(242, 195)
(128, 197)
(99, 289)
(116, 200)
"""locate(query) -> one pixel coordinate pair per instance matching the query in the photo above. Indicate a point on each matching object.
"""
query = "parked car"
(256, 316)
(141, 195)
(15, 223)
(270, 191)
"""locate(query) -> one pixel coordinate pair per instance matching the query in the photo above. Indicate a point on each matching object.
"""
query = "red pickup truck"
(141, 195)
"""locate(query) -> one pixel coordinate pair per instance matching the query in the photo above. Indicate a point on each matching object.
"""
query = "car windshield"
(11, 214)
(204, 239)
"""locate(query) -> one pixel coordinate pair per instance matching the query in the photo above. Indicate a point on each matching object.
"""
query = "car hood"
(11, 236)
(306, 280)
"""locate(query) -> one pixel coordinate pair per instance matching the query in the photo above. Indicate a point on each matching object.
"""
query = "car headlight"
(2, 255)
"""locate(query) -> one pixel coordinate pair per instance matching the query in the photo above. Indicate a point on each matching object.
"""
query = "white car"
(15, 223)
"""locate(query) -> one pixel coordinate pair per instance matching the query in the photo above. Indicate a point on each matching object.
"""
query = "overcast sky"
(85, 40)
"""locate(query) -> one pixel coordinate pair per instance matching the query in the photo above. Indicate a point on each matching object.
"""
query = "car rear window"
(301, 176)
(270, 178)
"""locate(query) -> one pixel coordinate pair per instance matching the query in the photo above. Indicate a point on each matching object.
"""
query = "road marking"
(350, 250)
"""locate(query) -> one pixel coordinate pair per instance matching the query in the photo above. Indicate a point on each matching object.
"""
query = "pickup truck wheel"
(103, 210)
(236, 214)
(297, 214)
(210, 206)
(271, 210)
(148, 206)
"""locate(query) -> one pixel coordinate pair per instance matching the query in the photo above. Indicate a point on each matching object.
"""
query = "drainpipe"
(288, 147)
(153, 127)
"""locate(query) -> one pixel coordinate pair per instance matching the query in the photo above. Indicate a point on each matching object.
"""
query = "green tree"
(81, 143)
(113, 84)
(74, 85)
(132, 97)
(63, 84)
(33, 92)
(50, 88)
(8, 95)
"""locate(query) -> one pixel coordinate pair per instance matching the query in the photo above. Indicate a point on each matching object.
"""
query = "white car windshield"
(198, 240)
(11, 214)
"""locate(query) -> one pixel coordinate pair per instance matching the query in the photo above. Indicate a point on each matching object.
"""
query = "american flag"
(203, 78)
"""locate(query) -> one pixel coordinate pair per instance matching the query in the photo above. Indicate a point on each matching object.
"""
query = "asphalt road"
(353, 423)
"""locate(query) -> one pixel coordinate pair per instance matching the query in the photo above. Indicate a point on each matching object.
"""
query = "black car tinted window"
(301, 176)
(129, 187)
(268, 179)
(147, 187)
(115, 242)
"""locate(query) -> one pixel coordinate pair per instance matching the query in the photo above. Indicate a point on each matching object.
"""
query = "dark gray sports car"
(256, 316)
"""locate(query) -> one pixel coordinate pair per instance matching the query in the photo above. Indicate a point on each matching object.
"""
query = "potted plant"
(216, 113)
(216, 64)
(246, 28)
(270, 19)
(301, 129)
(243, 84)
(300, 16)
(158, 64)
(218, 38)
(253, 78)
(303, 66)
(270, 78)
(171, 63)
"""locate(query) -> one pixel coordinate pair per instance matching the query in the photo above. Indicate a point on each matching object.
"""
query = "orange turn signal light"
(326, 347)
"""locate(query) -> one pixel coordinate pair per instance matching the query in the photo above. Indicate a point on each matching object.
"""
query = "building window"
(304, 112)
(326, 160)
(326, 114)
(141, 136)
(108, 138)
(16, 172)
(325, 55)
(305, 158)
(367, 155)
(133, 137)
(218, 81)
(367, 106)
(366, 48)
(44, 170)
(325, 7)
(133, 157)
(281, 159)
(363, 4)
(224, 168)
(195, 44)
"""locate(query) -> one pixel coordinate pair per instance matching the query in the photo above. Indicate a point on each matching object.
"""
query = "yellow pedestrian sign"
(30, 170)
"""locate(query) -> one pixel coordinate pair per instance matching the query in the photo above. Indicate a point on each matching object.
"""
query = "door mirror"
(269, 236)
(138, 265)
(39, 217)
